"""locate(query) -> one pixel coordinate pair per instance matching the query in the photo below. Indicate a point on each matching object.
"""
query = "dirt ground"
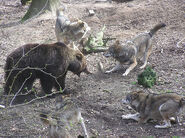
(100, 95)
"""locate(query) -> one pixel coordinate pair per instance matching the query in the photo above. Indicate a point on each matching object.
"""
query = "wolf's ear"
(135, 95)
(183, 99)
(80, 21)
(73, 46)
(117, 42)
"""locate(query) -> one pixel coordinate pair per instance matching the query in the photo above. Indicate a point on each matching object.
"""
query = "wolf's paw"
(162, 126)
(142, 67)
(125, 117)
(125, 74)
(135, 117)
(108, 71)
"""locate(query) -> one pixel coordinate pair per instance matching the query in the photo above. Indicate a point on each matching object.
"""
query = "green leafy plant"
(133, 82)
(1, 90)
(71, 124)
(169, 91)
(147, 78)
(175, 136)
(96, 42)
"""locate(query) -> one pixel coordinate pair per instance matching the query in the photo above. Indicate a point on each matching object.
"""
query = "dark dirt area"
(100, 95)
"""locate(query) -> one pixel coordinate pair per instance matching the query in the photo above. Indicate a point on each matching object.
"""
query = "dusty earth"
(99, 95)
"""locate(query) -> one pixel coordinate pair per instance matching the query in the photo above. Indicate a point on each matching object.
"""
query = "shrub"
(147, 78)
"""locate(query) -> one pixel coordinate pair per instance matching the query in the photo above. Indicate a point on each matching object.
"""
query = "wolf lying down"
(161, 107)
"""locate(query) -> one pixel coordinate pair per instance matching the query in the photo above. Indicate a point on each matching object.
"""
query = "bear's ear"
(79, 57)
(60, 44)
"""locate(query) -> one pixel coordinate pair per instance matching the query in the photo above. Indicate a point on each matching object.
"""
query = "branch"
(14, 68)
(97, 50)
(19, 89)
(38, 98)
(180, 42)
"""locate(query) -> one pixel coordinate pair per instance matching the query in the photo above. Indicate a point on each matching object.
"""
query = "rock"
(91, 12)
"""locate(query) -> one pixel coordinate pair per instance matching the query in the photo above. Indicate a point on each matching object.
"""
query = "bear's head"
(77, 61)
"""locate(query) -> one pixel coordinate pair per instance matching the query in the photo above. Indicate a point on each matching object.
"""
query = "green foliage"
(94, 42)
(147, 78)
(1, 91)
(61, 90)
(34, 90)
(134, 82)
(106, 91)
(71, 124)
(169, 91)
(175, 136)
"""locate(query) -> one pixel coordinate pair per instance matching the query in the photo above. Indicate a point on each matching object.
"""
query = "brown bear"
(47, 62)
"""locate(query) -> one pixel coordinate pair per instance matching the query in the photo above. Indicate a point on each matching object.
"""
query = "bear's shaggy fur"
(47, 62)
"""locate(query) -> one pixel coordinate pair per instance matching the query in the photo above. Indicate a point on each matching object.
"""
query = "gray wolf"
(128, 52)
(67, 31)
(160, 107)
(66, 116)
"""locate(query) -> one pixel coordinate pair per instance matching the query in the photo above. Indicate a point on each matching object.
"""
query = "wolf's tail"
(156, 28)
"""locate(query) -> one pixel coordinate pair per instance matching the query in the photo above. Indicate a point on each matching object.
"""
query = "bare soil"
(100, 95)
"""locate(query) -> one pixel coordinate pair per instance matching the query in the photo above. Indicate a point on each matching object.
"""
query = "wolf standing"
(139, 47)
(69, 32)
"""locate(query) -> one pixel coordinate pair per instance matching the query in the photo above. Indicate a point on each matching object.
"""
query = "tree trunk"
(39, 6)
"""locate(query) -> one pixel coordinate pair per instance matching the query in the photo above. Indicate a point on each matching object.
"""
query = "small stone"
(128, 107)
(2, 106)
(91, 12)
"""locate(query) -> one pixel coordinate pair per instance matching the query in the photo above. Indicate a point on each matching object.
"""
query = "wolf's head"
(112, 50)
(133, 99)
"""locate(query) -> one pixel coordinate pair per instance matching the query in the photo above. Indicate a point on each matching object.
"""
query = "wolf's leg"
(179, 120)
(135, 117)
(130, 68)
(167, 110)
(147, 53)
(116, 68)
(166, 125)
(143, 119)
(178, 117)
